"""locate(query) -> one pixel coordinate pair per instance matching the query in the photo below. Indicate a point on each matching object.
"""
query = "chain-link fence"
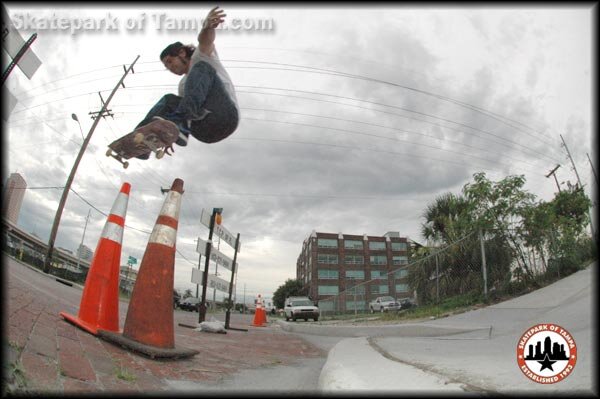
(477, 267)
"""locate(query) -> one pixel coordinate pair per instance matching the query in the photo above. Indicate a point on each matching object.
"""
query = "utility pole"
(82, 237)
(67, 188)
(579, 181)
(553, 173)
(571, 159)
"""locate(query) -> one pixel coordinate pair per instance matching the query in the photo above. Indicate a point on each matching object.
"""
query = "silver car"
(383, 304)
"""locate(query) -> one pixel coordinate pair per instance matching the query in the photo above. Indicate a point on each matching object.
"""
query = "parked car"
(407, 303)
(383, 304)
(190, 304)
(300, 308)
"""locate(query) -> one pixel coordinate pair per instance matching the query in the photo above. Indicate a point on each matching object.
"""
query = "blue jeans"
(203, 90)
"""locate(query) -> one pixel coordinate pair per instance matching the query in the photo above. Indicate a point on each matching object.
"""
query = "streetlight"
(74, 117)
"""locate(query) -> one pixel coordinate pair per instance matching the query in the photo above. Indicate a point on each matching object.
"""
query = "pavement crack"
(428, 369)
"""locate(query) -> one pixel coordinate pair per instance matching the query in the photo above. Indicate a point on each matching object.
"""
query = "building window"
(401, 288)
(400, 260)
(377, 245)
(355, 290)
(327, 243)
(401, 273)
(380, 289)
(328, 290)
(378, 259)
(353, 244)
(325, 274)
(354, 260)
(378, 274)
(399, 246)
(355, 274)
(327, 258)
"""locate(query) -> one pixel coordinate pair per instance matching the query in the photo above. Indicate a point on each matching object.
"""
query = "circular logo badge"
(546, 353)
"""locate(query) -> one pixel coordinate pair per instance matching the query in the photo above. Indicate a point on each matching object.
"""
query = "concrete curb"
(396, 330)
(353, 365)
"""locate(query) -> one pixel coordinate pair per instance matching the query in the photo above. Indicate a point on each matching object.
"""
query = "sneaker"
(182, 126)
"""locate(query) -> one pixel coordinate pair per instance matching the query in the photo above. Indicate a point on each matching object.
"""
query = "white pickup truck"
(383, 304)
(300, 307)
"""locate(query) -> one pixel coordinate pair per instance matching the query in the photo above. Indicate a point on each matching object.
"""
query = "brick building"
(358, 266)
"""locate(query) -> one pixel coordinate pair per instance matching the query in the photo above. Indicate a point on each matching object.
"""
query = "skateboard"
(157, 136)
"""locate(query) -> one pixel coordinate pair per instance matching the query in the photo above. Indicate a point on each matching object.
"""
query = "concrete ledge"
(390, 330)
(353, 365)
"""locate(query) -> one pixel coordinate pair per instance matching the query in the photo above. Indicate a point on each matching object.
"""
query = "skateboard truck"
(139, 138)
(111, 153)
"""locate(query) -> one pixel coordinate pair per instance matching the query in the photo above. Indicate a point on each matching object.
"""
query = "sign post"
(211, 227)
(228, 312)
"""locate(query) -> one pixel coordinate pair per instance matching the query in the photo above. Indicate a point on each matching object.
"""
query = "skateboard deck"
(157, 136)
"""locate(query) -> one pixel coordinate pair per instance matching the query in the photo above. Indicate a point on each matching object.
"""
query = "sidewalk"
(55, 357)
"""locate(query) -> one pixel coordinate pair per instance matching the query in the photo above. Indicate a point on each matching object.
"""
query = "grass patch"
(123, 374)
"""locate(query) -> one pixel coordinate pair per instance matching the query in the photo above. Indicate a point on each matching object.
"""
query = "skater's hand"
(215, 17)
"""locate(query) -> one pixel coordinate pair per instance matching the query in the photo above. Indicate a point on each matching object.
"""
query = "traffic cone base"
(99, 306)
(151, 351)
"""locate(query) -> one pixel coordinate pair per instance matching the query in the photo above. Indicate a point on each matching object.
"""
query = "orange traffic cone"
(99, 307)
(149, 325)
(260, 315)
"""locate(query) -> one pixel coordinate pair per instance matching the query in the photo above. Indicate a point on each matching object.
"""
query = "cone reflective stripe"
(149, 318)
(99, 307)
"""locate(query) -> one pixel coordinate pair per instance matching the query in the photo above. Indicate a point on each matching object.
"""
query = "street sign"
(213, 281)
(12, 42)
(205, 218)
(226, 236)
(219, 230)
(218, 283)
(215, 255)
(132, 260)
(197, 276)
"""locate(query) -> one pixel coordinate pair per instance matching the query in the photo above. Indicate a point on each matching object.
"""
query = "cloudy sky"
(353, 120)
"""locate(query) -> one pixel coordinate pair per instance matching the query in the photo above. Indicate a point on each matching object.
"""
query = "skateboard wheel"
(138, 138)
(160, 154)
(125, 165)
(108, 152)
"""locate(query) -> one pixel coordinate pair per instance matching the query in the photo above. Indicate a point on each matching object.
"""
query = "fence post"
(483, 264)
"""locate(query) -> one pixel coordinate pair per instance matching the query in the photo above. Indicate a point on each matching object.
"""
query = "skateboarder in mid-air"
(206, 105)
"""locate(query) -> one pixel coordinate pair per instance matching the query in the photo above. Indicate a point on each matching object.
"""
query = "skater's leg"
(166, 105)
(223, 118)
(198, 84)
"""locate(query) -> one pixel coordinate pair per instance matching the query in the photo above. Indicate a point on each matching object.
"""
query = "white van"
(300, 307)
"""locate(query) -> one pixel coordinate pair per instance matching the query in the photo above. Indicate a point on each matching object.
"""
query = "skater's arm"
(206, 38)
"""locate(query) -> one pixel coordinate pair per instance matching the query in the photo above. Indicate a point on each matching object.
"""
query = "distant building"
(14, 191)
(359, 266)
(84, 252)
(127, 277)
